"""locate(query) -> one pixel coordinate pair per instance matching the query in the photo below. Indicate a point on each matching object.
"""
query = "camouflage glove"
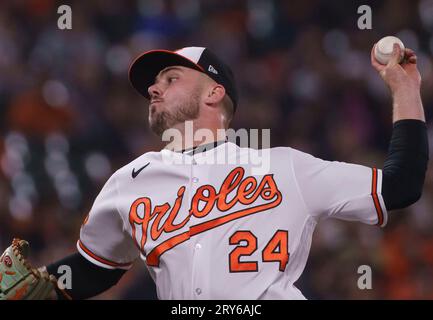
(18, 279)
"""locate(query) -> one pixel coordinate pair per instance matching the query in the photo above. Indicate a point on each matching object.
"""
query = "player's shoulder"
(275, 151)
(277, 155)
(293, 155)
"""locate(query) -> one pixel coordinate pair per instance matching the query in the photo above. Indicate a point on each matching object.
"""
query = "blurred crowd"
(69, 117)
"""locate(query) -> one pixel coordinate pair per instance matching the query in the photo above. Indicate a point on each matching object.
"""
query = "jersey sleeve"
(332, 189)
(103, 239)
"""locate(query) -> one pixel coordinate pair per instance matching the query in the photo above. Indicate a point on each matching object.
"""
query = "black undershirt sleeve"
(406, 164)
(88, 280)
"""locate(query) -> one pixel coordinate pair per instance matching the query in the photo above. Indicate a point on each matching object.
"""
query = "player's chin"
(157, 130)
(152, 109)
(157, 123)
(154, 115)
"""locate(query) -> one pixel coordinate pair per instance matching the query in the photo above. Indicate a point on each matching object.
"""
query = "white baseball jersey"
(208, 230)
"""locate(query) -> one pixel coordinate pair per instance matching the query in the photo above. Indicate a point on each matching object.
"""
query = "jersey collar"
(202, 148)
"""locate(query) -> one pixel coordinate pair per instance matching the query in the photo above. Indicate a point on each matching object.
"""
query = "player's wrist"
(409, 96)
(406, 89)
(407, 105)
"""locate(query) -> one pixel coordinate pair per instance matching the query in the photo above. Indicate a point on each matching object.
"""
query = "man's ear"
(215, 94)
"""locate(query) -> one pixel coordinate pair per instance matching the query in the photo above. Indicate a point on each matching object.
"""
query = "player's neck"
(190, 135)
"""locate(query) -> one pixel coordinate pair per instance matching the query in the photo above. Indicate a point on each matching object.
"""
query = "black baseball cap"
(145, 68)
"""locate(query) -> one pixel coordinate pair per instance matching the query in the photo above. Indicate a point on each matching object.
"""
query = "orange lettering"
(135, 219)
(169, 226)
(246, 191)
(228, 185)
(268, 187)
(247, 187)
(159, 211)
(209, 201)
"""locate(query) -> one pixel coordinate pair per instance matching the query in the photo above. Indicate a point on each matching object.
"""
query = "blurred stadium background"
(69, 117)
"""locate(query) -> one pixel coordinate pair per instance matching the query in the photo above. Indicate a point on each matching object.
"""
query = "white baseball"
(383, 49)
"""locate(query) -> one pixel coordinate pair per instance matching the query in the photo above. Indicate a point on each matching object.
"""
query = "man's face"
(174, 98)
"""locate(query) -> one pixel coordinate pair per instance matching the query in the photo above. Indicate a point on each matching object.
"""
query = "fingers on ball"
(412, 59)
(373, 59)
(409, 52)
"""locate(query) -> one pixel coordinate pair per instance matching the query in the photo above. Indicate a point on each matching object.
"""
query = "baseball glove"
(18, 279)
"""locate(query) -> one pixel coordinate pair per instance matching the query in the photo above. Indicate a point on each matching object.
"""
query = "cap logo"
(212, 69)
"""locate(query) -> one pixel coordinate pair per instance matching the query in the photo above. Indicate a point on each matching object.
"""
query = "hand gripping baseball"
(18, 279)
(397, 76)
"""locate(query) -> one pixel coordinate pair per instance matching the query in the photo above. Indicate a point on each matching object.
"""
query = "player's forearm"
(88, 280)
(406, 164)
(407, 104)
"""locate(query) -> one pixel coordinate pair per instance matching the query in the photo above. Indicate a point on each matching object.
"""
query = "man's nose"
(154, 91)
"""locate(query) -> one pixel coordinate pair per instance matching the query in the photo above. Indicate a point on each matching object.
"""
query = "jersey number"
(277, 250)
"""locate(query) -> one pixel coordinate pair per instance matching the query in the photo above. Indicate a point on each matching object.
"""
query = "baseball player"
(211, 230)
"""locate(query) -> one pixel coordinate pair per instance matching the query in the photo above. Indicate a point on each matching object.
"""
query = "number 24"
(276, 250)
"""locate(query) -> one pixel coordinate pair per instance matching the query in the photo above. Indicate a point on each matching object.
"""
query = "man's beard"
(183, 111)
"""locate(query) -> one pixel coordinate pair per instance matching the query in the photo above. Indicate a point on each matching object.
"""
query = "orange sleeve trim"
(101, 260)
(376, 198)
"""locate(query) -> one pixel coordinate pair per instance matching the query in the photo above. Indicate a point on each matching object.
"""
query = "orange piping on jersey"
(102, 260)
(85, 220)
(376, 198)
